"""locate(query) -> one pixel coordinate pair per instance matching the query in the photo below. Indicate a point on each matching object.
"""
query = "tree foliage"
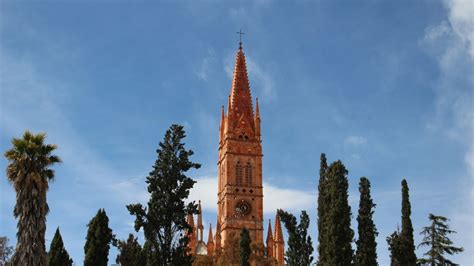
(130, 252)
(323, 205)
(164, 219)
(29, 171)
(300, 246)
(339, 233)
(5, 250)
(98, 240)
(258, 256)
(245, 250)
(435, 237)
(409, 257)
(401, 243)
(58, 255)
(395, 246)
(366, 254)
(231, 251)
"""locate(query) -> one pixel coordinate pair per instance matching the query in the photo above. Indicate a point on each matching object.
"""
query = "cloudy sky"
(385, 86)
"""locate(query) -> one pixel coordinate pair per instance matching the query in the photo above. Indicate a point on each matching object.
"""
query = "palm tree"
(29, 173)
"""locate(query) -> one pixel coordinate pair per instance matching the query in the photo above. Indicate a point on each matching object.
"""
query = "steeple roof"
(199, 222)
(269, 233)
(209, 238)
(240, 96)
(278, 230)
(200, 227)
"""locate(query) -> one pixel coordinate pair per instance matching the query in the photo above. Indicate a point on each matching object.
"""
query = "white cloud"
(274, 197)
(452, 43)
(355, 140)
(34, 101)
(204, 70)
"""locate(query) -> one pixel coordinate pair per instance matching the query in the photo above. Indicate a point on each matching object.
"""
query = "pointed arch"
(238, 173)
(248, 174)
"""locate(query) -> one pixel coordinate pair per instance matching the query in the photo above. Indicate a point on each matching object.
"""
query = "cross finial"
(240, 38)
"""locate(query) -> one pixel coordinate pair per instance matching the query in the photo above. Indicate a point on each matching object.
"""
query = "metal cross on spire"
(240, 37)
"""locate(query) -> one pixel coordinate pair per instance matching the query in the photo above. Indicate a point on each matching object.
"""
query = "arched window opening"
(238, 174)
(248, 174)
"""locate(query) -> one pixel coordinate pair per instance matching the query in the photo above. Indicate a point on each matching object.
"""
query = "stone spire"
(279, 242)
(200, 227)
(270, 243)
(210, 242)
(257, 120)
(222, 125)
(241, 109)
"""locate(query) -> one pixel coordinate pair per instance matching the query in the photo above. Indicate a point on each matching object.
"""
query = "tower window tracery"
(238, 174)
(248, 174)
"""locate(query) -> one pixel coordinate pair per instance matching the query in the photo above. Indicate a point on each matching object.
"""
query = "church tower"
(240, 190)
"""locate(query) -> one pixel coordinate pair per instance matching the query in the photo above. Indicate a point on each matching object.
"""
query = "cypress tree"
(435, 237)
(366, 254)
(300, 246)
(58, 255)
(245, 250)
(323, 205)
(231, 251)
(99, 238)
(408, 248)
(164, 220)
(395, 246)
(130, 252)
(340, 235)
(401, 243)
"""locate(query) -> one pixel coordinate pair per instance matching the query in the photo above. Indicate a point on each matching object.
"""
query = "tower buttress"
(217, 247)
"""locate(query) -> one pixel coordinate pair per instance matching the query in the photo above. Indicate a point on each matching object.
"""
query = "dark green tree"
(300, 246)
(395, 246)
(409, 256)
(29, 172)
(323, 205)
(5, 250)
(58, 255)
(245, 250)
(164, 220)
(98, 240)
(130, 252)
(401, 243)
(231, 251)
(366, 254)
(340, 235)
(435, 237)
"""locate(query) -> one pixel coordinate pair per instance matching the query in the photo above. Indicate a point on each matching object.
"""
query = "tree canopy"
(300, 246)
(29, 171)
(164, 219)
(366, 254)
(58, 255)
(98, 240)
(435, 237)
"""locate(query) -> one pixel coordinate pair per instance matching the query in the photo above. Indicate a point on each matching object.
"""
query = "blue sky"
(385, 86)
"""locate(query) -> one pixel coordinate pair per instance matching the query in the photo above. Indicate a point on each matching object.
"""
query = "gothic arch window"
(238, 174)
(248, 174)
